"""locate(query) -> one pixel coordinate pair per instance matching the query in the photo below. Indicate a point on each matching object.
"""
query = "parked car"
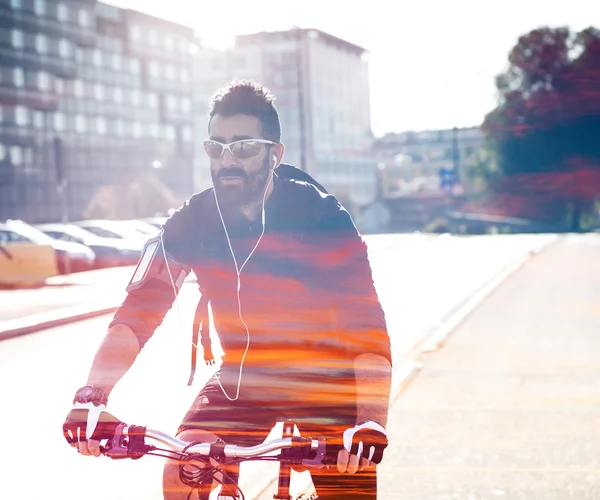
(22, 262)
(157, 222)
(140, 226)
(114, 229)
(70, 257)
(110, 252)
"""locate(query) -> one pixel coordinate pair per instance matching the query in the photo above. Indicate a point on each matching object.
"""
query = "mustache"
(233, 172)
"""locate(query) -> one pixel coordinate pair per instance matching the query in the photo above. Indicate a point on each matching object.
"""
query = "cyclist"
(293, 301)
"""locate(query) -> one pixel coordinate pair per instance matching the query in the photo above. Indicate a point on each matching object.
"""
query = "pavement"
(509, 408)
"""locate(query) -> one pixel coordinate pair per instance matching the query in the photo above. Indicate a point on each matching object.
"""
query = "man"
(293, 302)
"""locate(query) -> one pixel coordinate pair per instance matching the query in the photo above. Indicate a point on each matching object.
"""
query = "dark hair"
(248, 98)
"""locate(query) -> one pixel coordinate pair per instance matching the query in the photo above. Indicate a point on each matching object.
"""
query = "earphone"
(238, 272)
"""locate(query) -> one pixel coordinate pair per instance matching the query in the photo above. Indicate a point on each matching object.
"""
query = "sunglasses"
(246, 148)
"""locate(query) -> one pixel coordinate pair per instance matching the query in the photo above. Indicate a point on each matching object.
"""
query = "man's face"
(239, 181)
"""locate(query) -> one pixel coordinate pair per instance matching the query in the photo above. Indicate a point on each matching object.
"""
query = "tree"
(142, 196)
(545, 128)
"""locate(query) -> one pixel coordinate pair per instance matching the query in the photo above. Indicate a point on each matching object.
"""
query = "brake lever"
(117, 446)
(130, 446)
(319, 457)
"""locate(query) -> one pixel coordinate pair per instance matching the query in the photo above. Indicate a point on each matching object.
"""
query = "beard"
(251, 190)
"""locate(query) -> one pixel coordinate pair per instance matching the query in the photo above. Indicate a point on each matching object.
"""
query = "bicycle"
(198, 470)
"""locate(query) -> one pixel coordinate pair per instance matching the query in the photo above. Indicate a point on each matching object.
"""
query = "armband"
(153, 265)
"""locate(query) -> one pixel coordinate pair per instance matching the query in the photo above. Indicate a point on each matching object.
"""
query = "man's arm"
(114, 357)
(359, 314)
(373, 381)
(150, 294)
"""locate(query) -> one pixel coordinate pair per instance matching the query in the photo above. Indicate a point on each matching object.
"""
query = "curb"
(59, 317)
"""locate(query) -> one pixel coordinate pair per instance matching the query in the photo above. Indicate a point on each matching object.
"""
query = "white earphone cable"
(238, 271)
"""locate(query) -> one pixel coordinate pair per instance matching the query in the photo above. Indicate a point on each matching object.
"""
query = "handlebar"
(130, 442)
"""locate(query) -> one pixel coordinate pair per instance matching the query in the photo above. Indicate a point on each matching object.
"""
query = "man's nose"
(227, 159)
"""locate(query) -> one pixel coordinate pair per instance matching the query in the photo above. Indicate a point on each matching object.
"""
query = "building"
(413, 161)
(322, 93)
(90, 95)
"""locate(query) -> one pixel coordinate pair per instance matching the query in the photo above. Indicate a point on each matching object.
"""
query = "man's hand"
(363, 447)
(86, 425)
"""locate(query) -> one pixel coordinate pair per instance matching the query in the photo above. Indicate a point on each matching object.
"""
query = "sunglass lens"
(213, 149)
(246, 149)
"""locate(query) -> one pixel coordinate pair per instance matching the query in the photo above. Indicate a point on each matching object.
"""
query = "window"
(80, 124)
(17, 39)
(84, 18)
(16, 155)
(183, 45)
(134, 66)
(39, 7)
(43, 80)
(116, 62)
(64, 48)
(118, 94)
(170, 71)
(152, 37)
(21, 116)
(62, 12)
(171, 102)
(168, 42)
(184, 75)
(96, 57)
(152, 100)
(15, 4)
(41, 43)
(78, 88)
(185, 105)
(38, 120)
(18, 77)
(101, 126)
(154, 130)
(99, 91)
(60, 121)
(170, 133)
(135, 97)
(186, 134)
(137, 129)
(153, 69)
(120, 127)
(135, 33)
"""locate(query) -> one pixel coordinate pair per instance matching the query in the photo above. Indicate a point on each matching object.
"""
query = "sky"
(432, 63)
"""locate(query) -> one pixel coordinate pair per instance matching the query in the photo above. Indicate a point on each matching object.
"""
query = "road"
(420, 279)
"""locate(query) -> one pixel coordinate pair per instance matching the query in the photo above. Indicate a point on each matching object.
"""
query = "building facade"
(90, 95)
(322, 93)
(413, 161)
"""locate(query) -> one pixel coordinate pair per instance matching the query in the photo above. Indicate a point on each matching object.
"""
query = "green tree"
(545, 129)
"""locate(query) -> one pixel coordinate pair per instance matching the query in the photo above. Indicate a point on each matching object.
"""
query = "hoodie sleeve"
(150, 299)
(345, 267)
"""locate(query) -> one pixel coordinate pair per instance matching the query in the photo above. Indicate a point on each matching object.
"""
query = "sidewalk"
(510, 407)
(63, 299)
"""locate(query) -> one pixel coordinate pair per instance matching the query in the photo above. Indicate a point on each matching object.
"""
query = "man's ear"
(276, 155)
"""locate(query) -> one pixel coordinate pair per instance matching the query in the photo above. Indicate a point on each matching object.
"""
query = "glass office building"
(90, 95)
